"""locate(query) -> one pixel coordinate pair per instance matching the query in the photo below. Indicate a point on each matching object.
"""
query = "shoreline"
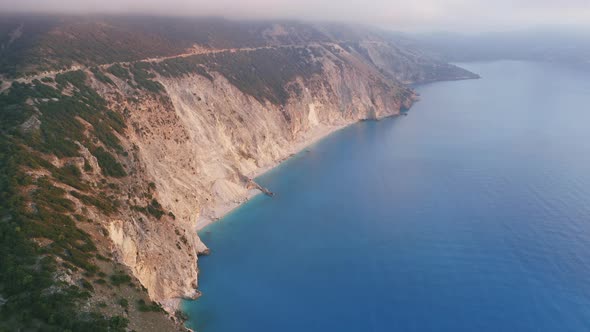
(313, 136)
(220, 210)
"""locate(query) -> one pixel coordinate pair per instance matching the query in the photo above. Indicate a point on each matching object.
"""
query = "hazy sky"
(400, 14)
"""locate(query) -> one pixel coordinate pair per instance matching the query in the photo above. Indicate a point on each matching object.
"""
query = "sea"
(469, 213)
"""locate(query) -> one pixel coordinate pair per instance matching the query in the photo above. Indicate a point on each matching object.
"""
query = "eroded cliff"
(201, 138)
(127, 159)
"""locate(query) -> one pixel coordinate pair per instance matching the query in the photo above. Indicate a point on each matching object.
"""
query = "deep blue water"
(472, 213)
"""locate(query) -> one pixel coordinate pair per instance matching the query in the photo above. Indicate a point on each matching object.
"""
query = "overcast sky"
(451, 15)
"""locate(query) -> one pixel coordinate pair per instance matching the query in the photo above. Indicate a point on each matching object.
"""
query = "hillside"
(119, 135)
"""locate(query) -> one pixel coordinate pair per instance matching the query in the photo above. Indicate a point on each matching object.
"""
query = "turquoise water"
(472, 213)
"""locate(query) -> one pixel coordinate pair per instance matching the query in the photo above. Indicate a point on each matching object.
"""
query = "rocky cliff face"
(148, 151)
(201, 139)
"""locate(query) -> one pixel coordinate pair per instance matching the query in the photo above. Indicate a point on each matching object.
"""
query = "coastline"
(220, 210)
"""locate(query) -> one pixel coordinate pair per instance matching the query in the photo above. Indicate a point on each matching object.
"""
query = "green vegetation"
(109, 165)
(87, 285)
(119, 71)
(143, 77)
(102, 258)
(100, 281)
(138, 72)
(60, 126)
(176, 67)
(87, 167)
(101, 76)
(120, 278)
(89, 42)
(26, 270)
(103, 203)
(70, 174)
(94, 41)
(50, 219)
(39, 224)
(154, 208)
(124, 303)
(263, 74)
(144, 307)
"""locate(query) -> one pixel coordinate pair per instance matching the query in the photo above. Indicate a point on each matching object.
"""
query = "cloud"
(401, 14)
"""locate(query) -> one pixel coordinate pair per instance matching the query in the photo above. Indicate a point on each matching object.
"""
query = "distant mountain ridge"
(567, 45)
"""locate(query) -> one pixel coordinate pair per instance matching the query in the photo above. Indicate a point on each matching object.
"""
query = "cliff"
(137, 154)
(201, 138)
